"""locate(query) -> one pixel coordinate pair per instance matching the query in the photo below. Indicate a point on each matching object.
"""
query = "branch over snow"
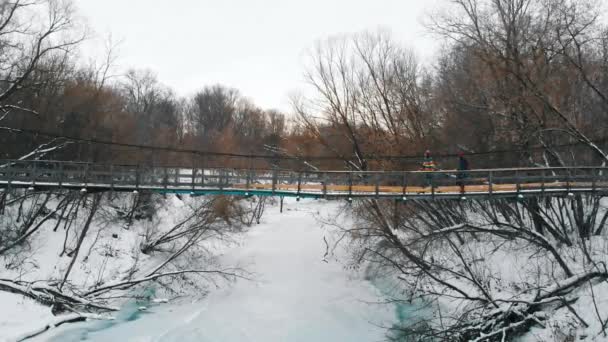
(71, 318)
(48, 295)
(122, 285)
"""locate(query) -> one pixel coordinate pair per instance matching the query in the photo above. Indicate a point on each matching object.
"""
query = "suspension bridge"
(506, 182)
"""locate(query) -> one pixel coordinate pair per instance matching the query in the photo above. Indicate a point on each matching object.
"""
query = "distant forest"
(517, 83)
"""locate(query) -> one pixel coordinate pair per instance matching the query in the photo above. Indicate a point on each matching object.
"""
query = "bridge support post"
(299, 186)
(249, 171)
(274, 180)
(193, 180)
(593, 180)
(220, 180)
(34, 173)
(324, 177)
(86, 175)
(137, 177)
(112, 178)
(461, 183)
(60, 180)
(490, 183)
(404, 185)
(395, 213)
(350, 185)
(432, 185)
(542, 182)
(9, 175)
(517, 183)
(377, 184)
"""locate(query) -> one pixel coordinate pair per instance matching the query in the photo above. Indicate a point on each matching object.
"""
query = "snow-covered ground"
(295, 295)
(296, 291)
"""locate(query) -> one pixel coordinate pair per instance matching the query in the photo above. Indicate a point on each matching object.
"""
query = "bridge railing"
(60, 173)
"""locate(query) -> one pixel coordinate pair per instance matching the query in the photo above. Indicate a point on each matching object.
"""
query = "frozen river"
(296, 296)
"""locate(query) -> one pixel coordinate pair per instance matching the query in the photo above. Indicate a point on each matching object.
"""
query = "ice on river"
(295, 296)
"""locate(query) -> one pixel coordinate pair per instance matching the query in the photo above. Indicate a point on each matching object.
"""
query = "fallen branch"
(566, 286)
(502, 332)
(130, 283)
(50, 296)
(71, 318)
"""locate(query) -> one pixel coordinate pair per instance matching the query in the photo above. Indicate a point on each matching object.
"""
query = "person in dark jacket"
(463, 167)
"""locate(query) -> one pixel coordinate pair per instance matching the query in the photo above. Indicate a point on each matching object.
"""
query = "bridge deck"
(485, 188)
(393, 184)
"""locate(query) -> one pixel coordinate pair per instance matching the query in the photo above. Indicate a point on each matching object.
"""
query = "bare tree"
(36, 39)
(372, 93)
(530, 72)
(213, 109)
(155, 109)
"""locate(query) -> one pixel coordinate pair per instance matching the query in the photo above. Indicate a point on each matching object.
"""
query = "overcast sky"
(256, 46)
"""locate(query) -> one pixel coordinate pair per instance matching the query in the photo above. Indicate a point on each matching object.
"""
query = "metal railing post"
(432, 184)
(248, 179)
(490, 183)
(220, 179)
(350, 184)
(34, 173)
(9, 176)
(60, 181)
(112, 177)
(542, 182)
(86, 174)
(461, 182)
(137, 177)
(193, 177)
(274, 180)
(404, 184)
(324, 181)
(299, 186)
(377, 184)
(593, 180)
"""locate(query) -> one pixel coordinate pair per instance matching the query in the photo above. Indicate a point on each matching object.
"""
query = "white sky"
(256, 46)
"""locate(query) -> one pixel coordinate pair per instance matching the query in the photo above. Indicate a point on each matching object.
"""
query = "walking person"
(428, 164)
(463, 167)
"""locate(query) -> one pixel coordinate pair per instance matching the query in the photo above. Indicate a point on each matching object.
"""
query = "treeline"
(47, 91)
(521, 76)
(139, 111)
(524, 77)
